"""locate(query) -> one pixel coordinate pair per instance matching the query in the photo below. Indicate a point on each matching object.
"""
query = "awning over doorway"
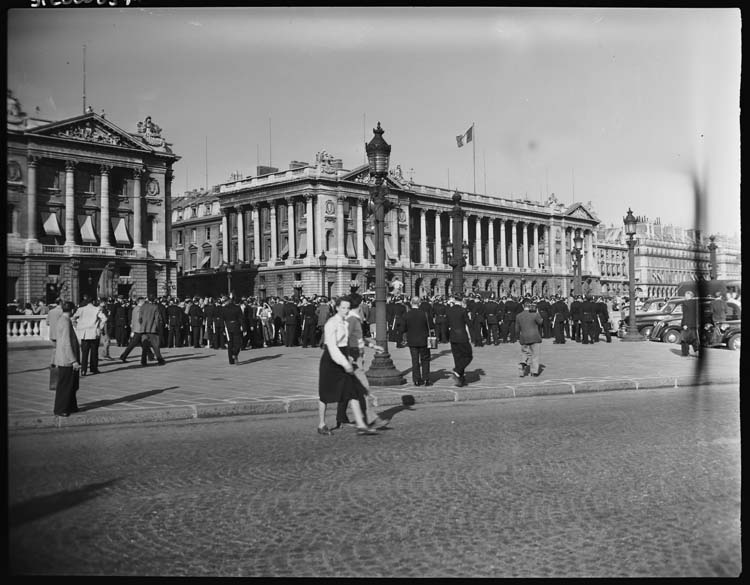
(52, 226)
(121, 231)
(206, 260)
(88, 234)
(351, 249)
(284, 250)
(302, 244)
(370, 245)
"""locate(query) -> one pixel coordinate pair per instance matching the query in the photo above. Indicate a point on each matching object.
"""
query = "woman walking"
(67, 352)
(336, 381)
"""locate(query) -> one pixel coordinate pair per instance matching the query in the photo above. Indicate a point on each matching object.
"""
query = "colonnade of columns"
(69, 231)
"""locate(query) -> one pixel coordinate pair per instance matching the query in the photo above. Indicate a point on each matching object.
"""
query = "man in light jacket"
(88, 320)
(67, 351)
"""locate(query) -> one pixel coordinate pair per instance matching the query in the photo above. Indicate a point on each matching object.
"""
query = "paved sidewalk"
(200, 382)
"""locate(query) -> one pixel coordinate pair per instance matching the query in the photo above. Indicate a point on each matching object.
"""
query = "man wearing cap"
(527, 329)
(290, 319)
(230, 316)
(308, 323)
(195, 313)
(174, 320)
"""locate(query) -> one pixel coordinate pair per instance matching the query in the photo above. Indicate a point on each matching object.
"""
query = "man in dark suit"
(441, 324)
(174, 321)
(399, 313)
(233, 328)
(544, 308)
(576, 317)
(690, 322)
(308, 323)
(460, 338)
(195, 313)
(512, 308)
(417, 326)
(121, 322)
(588, 318)
(602, 320)
(493, 323)
(559, 318)
(291, 317)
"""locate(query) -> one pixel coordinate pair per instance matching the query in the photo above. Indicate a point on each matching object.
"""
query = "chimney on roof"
(265, 170)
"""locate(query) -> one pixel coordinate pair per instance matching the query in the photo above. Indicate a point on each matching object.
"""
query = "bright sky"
(620, 107)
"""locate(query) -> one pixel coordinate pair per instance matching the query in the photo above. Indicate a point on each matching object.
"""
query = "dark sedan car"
(727, 333)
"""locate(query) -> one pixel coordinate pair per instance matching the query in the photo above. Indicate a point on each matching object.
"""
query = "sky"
(624, 108)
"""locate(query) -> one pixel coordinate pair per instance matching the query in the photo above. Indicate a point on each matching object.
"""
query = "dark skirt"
(334, 384)
(65, 394)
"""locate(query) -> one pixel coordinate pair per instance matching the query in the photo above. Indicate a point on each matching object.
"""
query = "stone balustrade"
(22, 328)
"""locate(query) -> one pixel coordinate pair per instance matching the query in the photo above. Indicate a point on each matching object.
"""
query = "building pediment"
(579, 211)
(90, 128)
(362, 175)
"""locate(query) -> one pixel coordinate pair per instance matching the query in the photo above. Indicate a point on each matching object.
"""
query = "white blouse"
(336, 335)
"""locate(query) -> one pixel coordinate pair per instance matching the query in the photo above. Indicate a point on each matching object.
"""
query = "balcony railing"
(47, 249)
(22, 328)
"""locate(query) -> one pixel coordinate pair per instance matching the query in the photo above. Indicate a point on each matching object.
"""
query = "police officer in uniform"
(441, 323)
(576, 317)
(174, 322)
(544, 308)
(493, 326)
(232, 325)
(560, 316)
(588, 316)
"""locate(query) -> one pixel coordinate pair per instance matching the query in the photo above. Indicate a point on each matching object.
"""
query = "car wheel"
(646, 331)
(672, 336)
(734, 342)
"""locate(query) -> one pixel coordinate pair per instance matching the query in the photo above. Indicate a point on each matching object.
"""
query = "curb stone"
(384, 398)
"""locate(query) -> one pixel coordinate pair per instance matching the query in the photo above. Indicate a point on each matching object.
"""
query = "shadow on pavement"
(27, 371)
(389, 413)
(151, 363)
(42, 506)
(474, 376)
(259, 359)
(130, 398)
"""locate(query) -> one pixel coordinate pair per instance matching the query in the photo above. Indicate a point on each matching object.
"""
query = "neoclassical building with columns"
(276, 227)
(88, 208)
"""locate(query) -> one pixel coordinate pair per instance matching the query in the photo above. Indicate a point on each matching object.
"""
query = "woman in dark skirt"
(336, 381)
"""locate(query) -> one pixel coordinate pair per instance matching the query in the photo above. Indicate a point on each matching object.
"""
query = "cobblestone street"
(643, 483)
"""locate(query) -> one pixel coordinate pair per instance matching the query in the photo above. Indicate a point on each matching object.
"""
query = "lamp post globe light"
(630, 224)
(576, 252)
(382, 372)
(457, 260)
(322, 259)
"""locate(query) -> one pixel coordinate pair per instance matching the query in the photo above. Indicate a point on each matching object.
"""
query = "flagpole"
(474, 154)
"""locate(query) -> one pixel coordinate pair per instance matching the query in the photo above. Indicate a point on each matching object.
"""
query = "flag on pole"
(467, 136)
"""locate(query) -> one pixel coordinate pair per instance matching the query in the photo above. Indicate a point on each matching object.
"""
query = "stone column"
(478, 240)
(535, 252)
(240, 234)
(291, 228)
(407, 252)
(32, 163)
(309, 235)
(274, 234)
(490, 242)
(503, 246)
(137, 211)
(256, 233)
(104, 230)
(394, 233)
(70, 203)
(513, 244)
(525, 246)
(340, 242)
(466, 229)
(225, 235)
(423, 252)
(361, 229)
(438, 238)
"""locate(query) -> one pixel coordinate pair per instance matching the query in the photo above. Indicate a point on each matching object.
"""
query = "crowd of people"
(235, 324)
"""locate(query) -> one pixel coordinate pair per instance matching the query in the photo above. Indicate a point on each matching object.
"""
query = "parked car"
(667, 328)
(645, 320)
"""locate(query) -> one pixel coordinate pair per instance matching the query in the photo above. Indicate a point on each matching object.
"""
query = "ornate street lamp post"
(382, 372)
(457, 260)
(577, 254)
(712, 250)
(630, 225)
(322, 259)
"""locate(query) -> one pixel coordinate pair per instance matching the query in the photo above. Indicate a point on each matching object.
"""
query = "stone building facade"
(665, 256)
(276, 226)
(88, 207)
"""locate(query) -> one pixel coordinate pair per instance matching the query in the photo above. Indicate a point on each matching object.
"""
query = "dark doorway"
(88, 282)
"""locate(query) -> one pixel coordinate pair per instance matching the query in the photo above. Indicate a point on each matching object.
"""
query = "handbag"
(431, 338)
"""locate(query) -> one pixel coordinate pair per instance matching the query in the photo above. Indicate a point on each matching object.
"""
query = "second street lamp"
(322, 259)
(382, 372)
(576, 251)
(631, 222)
(457, 261)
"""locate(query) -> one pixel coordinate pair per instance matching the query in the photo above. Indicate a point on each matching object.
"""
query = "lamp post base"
(632, 335)
(382, 372)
